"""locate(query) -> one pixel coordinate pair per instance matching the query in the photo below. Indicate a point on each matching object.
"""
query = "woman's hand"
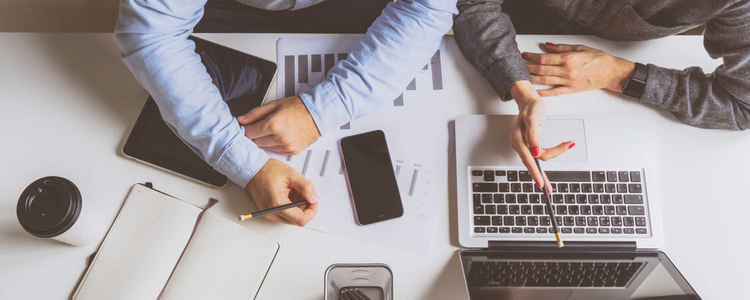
(577, 68)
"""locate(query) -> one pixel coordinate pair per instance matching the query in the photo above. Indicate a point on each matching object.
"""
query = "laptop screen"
(637, 275)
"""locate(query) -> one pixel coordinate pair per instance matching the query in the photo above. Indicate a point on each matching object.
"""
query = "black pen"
(550, 211)
(272, 210)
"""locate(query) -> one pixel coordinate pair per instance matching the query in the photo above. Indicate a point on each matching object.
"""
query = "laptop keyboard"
(551, 274)
(586, 203)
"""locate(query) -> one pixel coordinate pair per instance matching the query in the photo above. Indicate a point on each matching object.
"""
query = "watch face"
(634, 88)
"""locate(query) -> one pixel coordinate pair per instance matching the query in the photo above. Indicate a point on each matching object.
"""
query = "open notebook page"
(141, 248)
(223, 261)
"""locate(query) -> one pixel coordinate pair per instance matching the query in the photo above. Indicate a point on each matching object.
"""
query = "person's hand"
(527, 130)
(577, 68)
(277, 184)
(284, 126)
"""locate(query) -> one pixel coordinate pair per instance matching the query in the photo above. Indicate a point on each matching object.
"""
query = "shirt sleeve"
(719, 100)
(154, 46)
(397, 45)
(487, 38)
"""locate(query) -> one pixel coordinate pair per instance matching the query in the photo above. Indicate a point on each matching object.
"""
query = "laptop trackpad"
(556, 131)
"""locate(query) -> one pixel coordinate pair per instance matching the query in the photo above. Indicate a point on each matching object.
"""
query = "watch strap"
(637, 83)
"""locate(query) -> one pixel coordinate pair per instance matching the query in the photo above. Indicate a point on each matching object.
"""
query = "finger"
(556, 91)
(553, 152)
(265, 142)
(543, 58)
(533, 131)
(535, 69)
(277, 218)
(549, 80)
(257, 114)
(565, 47)
(258, 130)
(304, 187)
(299, 215)
(519, 145)
(547, 183)
(281, 150)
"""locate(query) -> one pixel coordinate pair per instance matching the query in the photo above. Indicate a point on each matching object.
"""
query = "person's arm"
(716, 100)
(486, 36)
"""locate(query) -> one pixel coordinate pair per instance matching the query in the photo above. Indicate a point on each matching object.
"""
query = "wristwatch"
(636, 83)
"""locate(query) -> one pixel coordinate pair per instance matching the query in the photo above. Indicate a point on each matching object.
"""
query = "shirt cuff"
(242, 160)
(326, 107)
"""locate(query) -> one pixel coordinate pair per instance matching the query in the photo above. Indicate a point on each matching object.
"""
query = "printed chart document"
(416, 129)
(223, 260)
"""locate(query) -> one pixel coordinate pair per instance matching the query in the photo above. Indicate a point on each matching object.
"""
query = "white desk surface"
(68, 102)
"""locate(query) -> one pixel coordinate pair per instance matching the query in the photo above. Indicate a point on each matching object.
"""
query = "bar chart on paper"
(416, 127)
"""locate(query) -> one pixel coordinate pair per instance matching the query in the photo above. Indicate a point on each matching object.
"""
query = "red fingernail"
(535, 151)
(540, 185)
(548, 44)
(571, 145)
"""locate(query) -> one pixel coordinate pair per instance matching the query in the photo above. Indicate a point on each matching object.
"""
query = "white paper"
(416, 129)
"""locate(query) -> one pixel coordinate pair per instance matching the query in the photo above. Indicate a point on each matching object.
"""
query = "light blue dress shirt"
(153, 39)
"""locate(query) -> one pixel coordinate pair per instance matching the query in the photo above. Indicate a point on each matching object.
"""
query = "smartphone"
(370, 178)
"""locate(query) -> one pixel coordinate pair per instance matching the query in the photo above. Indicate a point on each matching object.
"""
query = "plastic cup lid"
(49, 206)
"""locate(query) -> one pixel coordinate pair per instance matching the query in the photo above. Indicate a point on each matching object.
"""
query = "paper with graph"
(416, 129)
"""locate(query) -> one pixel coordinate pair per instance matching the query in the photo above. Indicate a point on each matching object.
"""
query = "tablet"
(243, 81)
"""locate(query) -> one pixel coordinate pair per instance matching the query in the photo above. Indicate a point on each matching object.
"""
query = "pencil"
(271, 210)
(550, 211)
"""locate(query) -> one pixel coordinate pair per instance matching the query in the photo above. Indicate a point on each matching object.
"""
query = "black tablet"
(243, 81)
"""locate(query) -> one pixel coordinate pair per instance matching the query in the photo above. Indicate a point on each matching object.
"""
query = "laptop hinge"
(551, 247)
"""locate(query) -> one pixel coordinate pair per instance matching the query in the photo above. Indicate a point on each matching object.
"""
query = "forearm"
(398, 44)
(487, 38)
(154, 44)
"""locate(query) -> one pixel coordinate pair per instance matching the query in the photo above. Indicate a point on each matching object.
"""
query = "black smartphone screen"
(369, 172)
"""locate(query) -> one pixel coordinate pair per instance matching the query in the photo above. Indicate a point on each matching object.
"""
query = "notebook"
(149, 253)
(604, 188)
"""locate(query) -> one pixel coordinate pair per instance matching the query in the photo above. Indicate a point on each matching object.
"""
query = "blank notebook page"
(141, 249)
(223, 261)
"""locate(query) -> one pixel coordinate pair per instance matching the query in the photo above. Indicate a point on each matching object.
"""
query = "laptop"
(605, 199)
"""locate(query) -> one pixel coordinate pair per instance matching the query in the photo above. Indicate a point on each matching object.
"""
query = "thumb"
(257, 114)
(564, 47)
(304, 187)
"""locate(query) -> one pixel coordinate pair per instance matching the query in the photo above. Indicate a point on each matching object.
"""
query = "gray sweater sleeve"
(721, 99)
(486, 37)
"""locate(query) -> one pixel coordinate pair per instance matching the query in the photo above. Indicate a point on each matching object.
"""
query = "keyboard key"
(509, 221)
(585, 209)
(593, 199)
(558, 220)
(604, 230)
(515, 209)
(510, 198)
(538, 209)
(479, 229)
(544, 221)
(526, 209)
(486, 198)
(570, 198)
(609, 209)
(483, 187)
(611, 176)
(623, 176)
(563, 187)
(504, 229)
(477, 199)
(569, 176)
(534, 198)
(568, 221)
(537, 189)
(517, 230)
(617, 230)
(575, 188)
(489, 209)
(476, 173)
(562, 209)
(502, 209)
(598, 188)
(566, 230)
(635, 176)
(579, 230)
(628, 221)
(628, 230)
(524, 176)
(528, 187)
(617, 199)
(622, 188)
(573, 209)
(598, 209)
(609, 188)
(491, 229)
(605, 198)
(528, 230)
(590, 230)
(498, 198)
(580, 221)
(636, 210)
(541, 230)
(489, 176)
(592, 221)
(581, 199)
(641, 231)
(640, 221)
(616, 221)
(497, 220)
(505, 187)
(481, 220)
(557, 198)
(522, 198)
(515, 187)
(598, 176)
(587, 188)
(604, 221)
(635, 188)
(622, 210)
(499, 173)
(533, 221)
(478, 209)
(512, 176)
